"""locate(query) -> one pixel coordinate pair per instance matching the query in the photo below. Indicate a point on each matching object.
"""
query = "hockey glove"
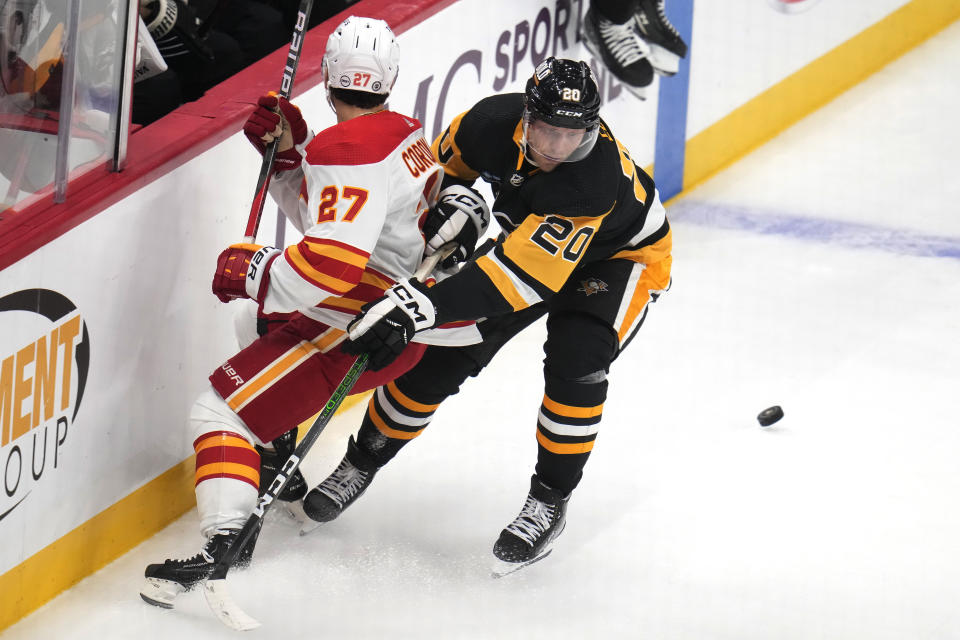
(243, 271)
(461, 216)
(385, 326)
(276, 117)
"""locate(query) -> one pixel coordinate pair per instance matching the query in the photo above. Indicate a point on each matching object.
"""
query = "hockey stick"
(215, 589)
(286, 86)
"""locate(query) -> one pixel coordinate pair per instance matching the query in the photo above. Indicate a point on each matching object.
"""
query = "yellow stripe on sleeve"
(502, 282)
(330, 283)
(339, 253)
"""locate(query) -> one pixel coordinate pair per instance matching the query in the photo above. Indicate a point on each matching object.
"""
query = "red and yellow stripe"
(330, 265)
(223, 454)
(288, 361)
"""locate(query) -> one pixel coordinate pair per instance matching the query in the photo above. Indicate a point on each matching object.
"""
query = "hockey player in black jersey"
(585, 241)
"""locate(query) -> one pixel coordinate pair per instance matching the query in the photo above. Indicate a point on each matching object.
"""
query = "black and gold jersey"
(600, 208)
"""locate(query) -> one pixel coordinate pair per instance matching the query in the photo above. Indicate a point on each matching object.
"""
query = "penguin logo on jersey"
(517, 179)
(592, 286)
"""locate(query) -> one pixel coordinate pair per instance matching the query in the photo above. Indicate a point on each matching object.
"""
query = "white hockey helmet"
(362, 55)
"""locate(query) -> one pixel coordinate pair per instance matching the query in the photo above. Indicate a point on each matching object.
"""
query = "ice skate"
(164, 582)
(666, 45)
(530, 537)
(621, 49)
(327, 501)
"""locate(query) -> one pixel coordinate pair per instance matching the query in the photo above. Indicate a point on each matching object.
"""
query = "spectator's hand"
(275, 117)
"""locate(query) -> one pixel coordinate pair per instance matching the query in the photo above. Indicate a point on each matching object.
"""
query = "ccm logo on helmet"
(570, 114)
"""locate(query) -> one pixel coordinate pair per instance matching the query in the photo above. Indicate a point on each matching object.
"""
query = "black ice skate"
(351, 478)
(164, 582)
(531, 535)
(621, 49)
(666, 45)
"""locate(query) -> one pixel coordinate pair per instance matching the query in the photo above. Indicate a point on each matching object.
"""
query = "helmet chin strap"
(330, 99)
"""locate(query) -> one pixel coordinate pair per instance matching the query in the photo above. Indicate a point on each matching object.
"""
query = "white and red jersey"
(359, 197)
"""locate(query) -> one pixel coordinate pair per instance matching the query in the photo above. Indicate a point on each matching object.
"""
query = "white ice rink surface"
(821, 273)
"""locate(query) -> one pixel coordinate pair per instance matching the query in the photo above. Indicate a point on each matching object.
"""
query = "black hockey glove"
(461, 216)
(385, 326)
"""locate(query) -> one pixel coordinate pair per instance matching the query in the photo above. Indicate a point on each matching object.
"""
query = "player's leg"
(590, 323)
(259, 394)
(399, 411)
(579, 349)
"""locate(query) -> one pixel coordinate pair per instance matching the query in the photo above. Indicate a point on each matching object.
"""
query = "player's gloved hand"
(276, 117)
(461, 216)
(385, 326)
(243, 271)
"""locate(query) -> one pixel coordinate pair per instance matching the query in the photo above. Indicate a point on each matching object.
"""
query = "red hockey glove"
(275, 117)
(461, 216)
(243, 271)
(385, 326)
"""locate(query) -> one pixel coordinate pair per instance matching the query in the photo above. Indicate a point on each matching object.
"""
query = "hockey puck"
(770, 415)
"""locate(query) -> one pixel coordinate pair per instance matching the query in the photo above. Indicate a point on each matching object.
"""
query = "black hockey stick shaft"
(286, 86)
(289, 467)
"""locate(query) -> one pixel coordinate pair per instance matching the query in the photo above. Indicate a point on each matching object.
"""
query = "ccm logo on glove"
(406, 299)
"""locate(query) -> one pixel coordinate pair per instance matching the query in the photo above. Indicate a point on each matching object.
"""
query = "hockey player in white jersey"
(360, 192)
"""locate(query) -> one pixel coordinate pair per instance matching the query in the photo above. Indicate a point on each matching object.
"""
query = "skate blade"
(503, 568)
(665, 62)
(309, 526)
(161, 593)
(294, 511)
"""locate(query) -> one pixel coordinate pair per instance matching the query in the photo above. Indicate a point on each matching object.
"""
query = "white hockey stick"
(215, 589)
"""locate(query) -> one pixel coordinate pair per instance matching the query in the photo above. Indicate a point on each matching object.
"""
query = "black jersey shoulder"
(485, 133)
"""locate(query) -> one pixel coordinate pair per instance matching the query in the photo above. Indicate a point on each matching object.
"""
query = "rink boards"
(108, 330)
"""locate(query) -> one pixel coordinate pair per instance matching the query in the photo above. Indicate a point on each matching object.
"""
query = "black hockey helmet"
(563, 96)
(563, 93)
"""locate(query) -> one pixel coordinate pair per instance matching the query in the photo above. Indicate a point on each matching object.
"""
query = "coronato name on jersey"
(357, 198)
